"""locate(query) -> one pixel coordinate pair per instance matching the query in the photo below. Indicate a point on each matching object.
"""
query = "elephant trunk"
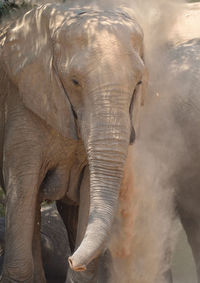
(107, 147)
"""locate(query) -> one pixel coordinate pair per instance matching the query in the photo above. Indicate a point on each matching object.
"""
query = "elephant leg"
(39, 276)
(21, 175)
(105, 267)
(69, 215)
(191, 225)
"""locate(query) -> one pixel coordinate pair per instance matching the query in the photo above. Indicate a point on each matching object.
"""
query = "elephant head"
(81, 72)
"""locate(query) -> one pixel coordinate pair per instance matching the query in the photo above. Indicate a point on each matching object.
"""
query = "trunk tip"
(75, 267)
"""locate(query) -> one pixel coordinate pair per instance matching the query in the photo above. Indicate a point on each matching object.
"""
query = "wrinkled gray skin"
(67, 82)
(171, 133)
(54, 245)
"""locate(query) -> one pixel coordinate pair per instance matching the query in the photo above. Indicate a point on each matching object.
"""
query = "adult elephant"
(174, 141)
(185, 63)
(69, 79)
(170, 138)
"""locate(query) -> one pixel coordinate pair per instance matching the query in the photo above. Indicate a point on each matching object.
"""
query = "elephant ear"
(27, 55)
(144, 86)
(137, 102)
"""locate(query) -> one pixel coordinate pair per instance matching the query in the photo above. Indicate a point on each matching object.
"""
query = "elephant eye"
(75, 82)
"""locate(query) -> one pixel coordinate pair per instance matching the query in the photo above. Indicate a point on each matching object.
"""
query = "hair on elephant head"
(81, 71)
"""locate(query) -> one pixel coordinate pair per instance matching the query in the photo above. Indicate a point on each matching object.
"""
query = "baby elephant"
(54, 242)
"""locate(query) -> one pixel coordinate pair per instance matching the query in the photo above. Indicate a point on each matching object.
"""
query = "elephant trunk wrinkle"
(106, 170)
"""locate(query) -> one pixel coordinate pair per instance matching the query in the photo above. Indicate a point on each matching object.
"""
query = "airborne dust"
(146, 212)
(143, 249)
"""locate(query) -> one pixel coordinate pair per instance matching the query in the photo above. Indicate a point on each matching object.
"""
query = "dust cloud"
(146, 227)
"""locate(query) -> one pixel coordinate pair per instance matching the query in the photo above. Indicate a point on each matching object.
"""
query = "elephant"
(72, 85)
(186, 178)
(170, 136)
(54, 245)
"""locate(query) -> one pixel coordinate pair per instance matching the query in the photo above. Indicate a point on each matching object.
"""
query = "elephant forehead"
(111, 20)
(88, 25)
